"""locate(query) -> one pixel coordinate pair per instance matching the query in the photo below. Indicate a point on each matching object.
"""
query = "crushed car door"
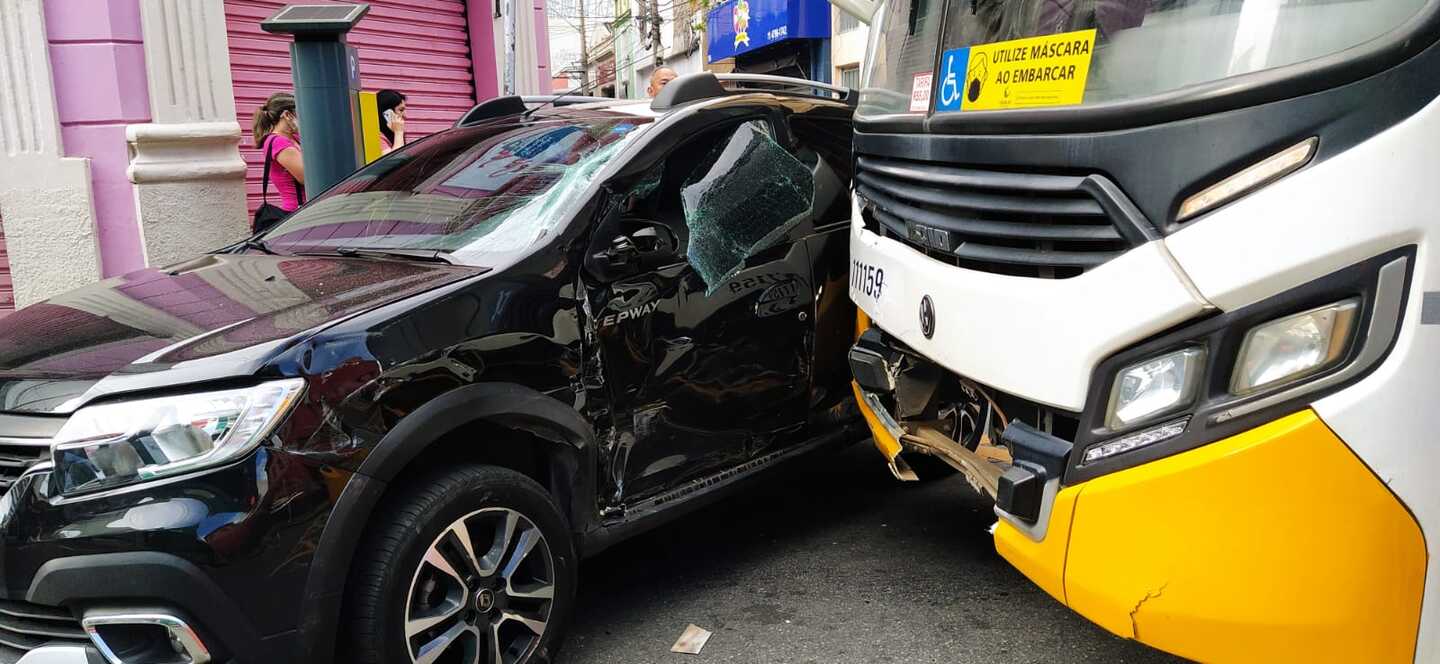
(705, 354)
(821, 138)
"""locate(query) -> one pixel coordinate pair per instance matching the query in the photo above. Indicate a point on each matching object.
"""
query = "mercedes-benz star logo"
(927, 317)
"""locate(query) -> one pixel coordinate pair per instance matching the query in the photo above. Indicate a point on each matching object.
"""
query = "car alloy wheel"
(482, 593)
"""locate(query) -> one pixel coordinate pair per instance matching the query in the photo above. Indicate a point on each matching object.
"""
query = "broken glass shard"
(744, 197)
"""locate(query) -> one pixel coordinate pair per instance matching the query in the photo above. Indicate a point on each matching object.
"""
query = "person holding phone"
(391, 105)
(276, 131)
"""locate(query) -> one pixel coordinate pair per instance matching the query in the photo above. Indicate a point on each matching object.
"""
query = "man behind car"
(658, 79)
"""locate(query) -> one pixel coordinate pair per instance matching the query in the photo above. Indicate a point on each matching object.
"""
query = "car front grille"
(25, 627)
(18, 455)
(25, 441)
(1016, 223)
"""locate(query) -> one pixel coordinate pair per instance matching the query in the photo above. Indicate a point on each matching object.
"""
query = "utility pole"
(655, 42)
(584, 51)
(510, 36)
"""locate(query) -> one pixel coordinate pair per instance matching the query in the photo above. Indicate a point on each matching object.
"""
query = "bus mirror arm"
(861, 9)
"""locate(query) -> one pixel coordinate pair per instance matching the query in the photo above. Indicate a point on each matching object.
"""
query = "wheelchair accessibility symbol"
(960, 79)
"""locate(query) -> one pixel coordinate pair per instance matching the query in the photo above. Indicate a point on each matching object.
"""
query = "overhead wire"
(642, 50)
(638, 52)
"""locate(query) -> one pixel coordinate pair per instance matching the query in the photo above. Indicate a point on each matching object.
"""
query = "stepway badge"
(1022, 73)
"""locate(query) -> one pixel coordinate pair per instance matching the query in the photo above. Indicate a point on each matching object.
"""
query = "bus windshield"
(1131, 48)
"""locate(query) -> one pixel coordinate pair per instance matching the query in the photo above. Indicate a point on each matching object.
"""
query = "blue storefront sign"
(741, 26)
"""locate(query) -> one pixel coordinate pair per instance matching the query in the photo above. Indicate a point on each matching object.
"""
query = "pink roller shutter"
(7, 286)
(419, 47)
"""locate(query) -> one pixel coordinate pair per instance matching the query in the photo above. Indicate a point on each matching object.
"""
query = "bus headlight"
(125, 442)
(1294, 347)
(1159, 385)
(1231, 371)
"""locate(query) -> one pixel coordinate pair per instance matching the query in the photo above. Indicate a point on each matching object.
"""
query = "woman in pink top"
(391, 105)
(277, 134)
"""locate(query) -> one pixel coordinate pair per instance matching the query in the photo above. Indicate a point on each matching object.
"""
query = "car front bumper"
(62, 655)
(215, 563)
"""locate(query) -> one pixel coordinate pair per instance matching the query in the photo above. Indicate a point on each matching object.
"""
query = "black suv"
(387, 430)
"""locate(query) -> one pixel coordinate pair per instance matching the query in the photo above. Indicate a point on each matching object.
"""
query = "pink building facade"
(126, 119)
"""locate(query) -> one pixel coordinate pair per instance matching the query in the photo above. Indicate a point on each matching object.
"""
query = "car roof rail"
(492, 108)
(770, 82)
(559, 100)
(512, 104)
(706, 85)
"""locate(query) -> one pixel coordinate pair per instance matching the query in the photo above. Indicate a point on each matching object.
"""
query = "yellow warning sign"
(1021, 73)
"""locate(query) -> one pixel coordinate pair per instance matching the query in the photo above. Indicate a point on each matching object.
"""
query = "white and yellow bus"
(1160, 277)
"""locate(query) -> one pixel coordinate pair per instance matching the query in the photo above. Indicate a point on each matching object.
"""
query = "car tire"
(417, 595)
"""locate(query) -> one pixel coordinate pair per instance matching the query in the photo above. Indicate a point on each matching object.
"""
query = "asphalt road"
(829, 560)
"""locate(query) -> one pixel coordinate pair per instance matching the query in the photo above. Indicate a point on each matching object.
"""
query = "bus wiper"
(423, 255)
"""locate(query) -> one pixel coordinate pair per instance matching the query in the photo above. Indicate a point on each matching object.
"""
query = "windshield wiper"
(423, 255)
(259, 245)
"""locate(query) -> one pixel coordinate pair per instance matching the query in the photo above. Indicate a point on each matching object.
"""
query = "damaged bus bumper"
(877, 369)
(1251, 531)
(1275, 544)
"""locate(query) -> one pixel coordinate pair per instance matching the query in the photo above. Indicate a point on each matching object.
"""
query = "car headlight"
(121, 443)
(1294, 347)
(1155, 386)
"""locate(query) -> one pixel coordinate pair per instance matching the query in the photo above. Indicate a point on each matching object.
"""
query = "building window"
(850, 77)
(846, 23)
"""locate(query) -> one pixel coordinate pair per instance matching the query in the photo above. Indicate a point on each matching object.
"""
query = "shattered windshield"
(745, 195)
(480, 194)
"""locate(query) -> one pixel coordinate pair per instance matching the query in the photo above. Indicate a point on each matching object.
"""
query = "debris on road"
(691, 640)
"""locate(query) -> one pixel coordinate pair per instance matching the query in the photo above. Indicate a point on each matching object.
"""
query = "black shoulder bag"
(267, 216)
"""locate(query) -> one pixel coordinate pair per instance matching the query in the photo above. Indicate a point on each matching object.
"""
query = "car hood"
(214, 317)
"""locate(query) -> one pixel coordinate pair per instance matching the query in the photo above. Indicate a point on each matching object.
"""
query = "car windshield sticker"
(1022, 73)
(744, 197)
(920, 91)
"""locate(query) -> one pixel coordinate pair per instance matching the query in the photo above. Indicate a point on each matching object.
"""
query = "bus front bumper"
(1277, 544)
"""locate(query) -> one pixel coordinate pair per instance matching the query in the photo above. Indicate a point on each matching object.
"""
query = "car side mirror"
(655, 243)
(648, 244)
(651, 245)
(621, 253)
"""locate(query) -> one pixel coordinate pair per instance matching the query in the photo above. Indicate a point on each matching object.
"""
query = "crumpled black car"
(388, 429)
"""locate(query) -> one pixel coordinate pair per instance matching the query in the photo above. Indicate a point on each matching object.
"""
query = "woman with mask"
(391, 105)
(277, 134)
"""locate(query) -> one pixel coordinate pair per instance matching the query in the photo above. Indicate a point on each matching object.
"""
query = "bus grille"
(1020, 224)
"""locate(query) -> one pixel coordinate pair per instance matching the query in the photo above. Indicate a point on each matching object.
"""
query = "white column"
(45, 199)
(186, 165)
(524, 65)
